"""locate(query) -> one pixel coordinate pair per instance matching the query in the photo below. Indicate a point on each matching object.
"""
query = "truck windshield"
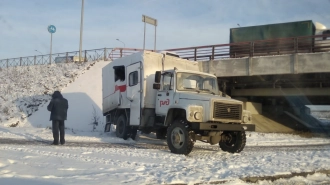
(197, 83)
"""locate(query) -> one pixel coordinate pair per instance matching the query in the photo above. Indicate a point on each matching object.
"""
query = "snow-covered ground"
(91, 156)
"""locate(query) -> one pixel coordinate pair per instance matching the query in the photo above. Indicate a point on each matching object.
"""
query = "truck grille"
(227, 111)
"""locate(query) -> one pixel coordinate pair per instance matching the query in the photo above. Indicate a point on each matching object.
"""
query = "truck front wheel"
(179, 140)
(233, 141)
(121, 129)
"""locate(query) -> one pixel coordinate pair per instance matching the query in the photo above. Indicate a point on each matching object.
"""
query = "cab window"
(167, 81)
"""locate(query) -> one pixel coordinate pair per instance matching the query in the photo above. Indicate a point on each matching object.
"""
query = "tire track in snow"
(84, 155)
(66, 154)
(95, 152)
(163, 146)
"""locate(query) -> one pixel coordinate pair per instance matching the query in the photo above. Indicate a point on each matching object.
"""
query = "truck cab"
(190, 99)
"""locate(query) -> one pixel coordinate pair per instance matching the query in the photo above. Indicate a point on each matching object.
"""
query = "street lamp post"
(38, 52)
(42, 57)
(121, 42)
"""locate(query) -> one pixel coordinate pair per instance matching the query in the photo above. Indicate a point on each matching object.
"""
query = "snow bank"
(26, 90)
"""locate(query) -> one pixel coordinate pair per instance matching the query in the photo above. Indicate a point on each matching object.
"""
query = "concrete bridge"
(276, 89)
(275, 83)
(310, 70)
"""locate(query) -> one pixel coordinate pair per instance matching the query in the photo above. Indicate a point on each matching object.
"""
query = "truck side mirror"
(156, 86)
(158, 75)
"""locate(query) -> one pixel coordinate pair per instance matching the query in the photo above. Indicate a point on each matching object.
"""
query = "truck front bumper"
(223, 127)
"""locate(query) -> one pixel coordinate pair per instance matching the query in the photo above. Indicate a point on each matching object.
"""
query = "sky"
(181, 23)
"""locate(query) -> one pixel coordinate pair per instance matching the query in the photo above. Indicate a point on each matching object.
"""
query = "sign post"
(51, 29)
(151, 21)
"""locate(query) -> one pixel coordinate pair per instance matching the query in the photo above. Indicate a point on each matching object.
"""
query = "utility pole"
(81, 28)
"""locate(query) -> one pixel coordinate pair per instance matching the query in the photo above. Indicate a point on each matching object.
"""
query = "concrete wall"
(254, 108)
(227, 67)
(313, 62)
(268, 65)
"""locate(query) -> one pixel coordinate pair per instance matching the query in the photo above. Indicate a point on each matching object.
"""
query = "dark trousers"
(58, 126)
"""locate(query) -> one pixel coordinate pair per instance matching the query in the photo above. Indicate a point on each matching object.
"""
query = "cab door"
(164, 97)
(134, 92)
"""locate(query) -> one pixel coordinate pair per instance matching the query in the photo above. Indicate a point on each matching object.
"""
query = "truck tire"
(179, 140)
(122, 130)
(161, 133)
(235, 141)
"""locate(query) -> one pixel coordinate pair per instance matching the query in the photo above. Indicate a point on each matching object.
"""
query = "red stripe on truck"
(121, 88)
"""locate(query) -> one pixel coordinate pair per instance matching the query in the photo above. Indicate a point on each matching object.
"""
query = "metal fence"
(87, 55)
(308, 44)
(121, 52)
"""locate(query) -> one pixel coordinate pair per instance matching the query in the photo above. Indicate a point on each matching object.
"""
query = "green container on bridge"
(272, 31)
(267, 32)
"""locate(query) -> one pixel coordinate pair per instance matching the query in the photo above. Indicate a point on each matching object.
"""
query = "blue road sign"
(51, 29)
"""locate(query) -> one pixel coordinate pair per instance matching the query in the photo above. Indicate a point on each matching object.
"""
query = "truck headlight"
(246, 116)
(245, 119)
(195, 113)
(198, 115)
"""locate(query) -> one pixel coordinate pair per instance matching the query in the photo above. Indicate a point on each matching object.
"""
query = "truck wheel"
(179, 140)
(161, 133)
(233, 141)
(121, 129)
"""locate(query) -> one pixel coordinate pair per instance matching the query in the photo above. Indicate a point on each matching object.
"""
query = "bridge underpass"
(275, 84)
(276, 88)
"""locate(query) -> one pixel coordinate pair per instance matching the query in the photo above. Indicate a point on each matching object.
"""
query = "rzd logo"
(166, 102)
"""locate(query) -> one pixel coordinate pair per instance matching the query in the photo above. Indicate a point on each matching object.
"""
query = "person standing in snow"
(58, 107)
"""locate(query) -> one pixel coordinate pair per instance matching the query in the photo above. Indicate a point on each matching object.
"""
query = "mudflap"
(107, 127)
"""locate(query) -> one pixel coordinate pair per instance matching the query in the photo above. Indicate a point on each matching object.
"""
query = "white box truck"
(163, 93)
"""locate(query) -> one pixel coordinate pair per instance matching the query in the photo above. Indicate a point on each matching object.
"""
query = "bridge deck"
(269, 65)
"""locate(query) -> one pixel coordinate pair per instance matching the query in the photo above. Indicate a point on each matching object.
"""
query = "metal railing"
(121, 52)
(307, 44)
(87, 55)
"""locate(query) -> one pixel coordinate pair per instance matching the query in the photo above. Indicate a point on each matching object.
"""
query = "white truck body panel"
(115, 93)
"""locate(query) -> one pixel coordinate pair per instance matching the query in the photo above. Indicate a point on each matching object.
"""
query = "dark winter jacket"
(58, 107)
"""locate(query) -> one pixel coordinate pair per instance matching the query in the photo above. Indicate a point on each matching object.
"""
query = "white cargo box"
(116, 93)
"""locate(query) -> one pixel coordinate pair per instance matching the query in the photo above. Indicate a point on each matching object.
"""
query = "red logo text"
(165, 102)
